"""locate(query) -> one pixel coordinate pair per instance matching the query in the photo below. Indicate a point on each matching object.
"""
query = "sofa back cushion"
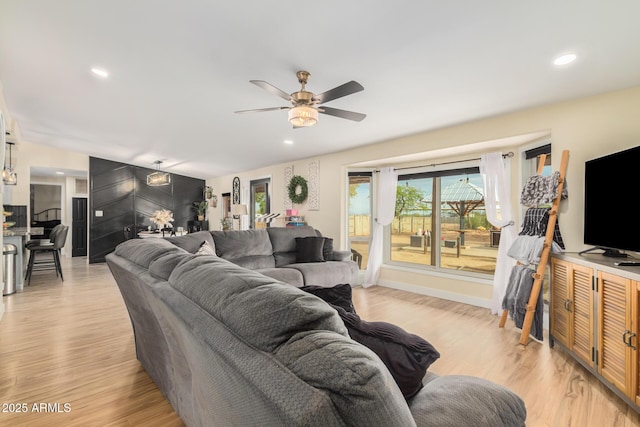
(261, 311)
(143, 252)
(247, 248)
(283, 241)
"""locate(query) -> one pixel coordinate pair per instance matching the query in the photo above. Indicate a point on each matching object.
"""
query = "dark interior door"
(79, 226)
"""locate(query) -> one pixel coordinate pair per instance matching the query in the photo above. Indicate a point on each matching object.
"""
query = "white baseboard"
(437, 293)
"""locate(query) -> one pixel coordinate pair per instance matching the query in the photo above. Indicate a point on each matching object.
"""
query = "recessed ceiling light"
(100, 72)
(288, 141)
(565, 59)
(59, 173)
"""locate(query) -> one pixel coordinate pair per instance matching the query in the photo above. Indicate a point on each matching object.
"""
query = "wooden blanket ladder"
(546, 249)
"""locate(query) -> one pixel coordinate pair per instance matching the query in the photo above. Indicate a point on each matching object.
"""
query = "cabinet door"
(614, 328)
(635, 327)
(559, 291)
(581, 312)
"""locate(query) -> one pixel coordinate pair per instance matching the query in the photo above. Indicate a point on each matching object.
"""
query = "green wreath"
(294, 196)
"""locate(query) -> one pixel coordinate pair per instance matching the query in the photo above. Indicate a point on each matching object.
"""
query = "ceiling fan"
(305, 106)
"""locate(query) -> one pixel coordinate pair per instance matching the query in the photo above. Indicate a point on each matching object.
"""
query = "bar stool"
(56, 242)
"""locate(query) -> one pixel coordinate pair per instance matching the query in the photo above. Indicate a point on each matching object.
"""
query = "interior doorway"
(46, 206)
(79, 226)
(260, 203)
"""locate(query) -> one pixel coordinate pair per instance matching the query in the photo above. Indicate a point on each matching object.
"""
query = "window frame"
(435, 172)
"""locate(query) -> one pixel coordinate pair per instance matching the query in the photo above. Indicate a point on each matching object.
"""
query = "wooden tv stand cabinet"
(594, 316)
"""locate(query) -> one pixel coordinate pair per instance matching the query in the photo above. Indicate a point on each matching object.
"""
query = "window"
(440, 222)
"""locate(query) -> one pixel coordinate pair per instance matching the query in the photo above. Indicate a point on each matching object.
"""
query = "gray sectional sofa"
(229, 346)
(272, 252)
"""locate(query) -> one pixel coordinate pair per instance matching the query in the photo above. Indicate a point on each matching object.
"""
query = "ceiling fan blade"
(343, 114)
(257, 110)
(271, 88)
(338, 92)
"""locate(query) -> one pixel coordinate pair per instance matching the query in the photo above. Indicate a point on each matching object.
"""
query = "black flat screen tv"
(610, 210)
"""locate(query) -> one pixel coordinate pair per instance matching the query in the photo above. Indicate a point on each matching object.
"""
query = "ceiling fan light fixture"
(303, 115)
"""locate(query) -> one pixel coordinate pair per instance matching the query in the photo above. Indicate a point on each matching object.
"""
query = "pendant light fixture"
(9, 176)
(157, 178)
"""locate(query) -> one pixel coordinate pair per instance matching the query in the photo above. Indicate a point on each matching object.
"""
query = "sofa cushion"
(206, 249)
(290, 276)
(163, 266)
(339, 295)
(283, 239)
(191, 242)
(143, 251)
(309, 249)
(407, 356)
(327, 249)
(458, 400)
(328, 273)
(260, 311)
(254, 262)
(359, 386)
(234, 244)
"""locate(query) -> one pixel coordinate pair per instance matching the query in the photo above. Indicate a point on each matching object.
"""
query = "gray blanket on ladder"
(517, 296)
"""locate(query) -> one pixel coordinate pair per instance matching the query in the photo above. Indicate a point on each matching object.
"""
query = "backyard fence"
(360, 225)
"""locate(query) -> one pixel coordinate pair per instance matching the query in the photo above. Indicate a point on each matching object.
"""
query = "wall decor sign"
(314, 183)
(288, 174)
(236, 190)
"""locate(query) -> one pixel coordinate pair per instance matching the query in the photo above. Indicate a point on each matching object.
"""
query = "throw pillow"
(206, 249)
(406, 356)
(327, 249)
(338, 295)
(309, 249)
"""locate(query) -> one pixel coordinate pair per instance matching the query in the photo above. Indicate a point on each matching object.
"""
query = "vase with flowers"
(162, 218)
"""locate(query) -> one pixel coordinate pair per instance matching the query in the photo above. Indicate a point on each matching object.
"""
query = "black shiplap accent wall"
(121, 192)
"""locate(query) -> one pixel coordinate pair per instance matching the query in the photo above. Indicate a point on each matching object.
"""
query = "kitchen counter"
(18, 237)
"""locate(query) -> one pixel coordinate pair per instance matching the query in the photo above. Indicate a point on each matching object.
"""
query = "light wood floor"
(72, 344)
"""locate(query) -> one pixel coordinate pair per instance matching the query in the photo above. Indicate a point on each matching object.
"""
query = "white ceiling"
(179, 70)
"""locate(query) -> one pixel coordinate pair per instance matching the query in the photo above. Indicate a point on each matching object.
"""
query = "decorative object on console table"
(239, 213)
(162, 218)
(264, 221)
(292, 219)
(226, 223)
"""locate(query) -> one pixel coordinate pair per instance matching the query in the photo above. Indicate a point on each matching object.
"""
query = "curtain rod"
(506, 155)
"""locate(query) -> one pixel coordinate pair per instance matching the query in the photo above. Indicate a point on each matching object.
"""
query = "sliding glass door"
(360, 202)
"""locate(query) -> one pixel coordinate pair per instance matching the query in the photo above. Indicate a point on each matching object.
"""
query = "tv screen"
(610, 189)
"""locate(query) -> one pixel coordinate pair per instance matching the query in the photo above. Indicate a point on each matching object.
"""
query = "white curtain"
(496, 177)
(385, 208)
